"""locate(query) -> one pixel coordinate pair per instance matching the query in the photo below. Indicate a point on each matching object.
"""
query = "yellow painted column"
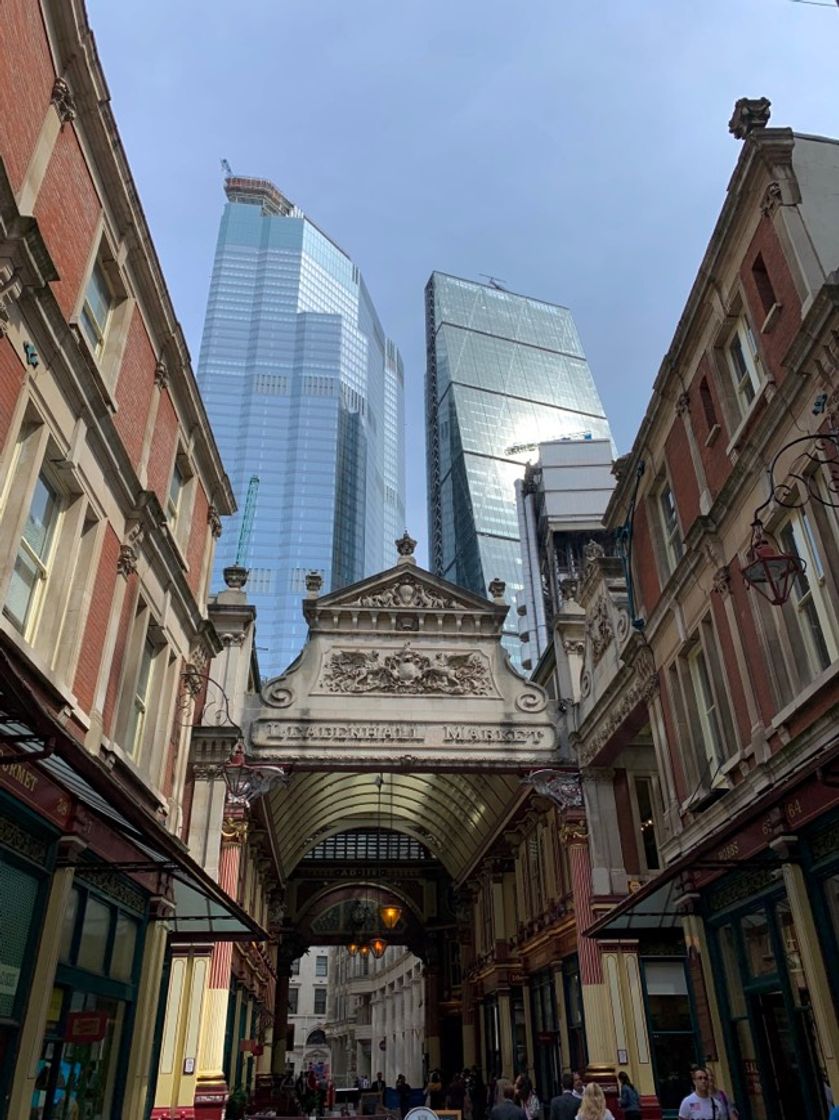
(635, 1024)
(148, 996)
(564, 1041)
(505, 1028)
(812, 961)
(43, 979)
(696, 941)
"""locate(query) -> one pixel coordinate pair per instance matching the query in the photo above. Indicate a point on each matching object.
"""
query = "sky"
(578, 150)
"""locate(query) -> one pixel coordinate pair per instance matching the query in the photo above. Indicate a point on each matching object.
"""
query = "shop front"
(545, 1031)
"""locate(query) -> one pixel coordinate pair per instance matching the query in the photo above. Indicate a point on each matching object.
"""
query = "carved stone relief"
(408, 592)
(563, 789)
(407, 672)
(599, 628)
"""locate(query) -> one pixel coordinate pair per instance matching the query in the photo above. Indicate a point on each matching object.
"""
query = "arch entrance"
(405, 736)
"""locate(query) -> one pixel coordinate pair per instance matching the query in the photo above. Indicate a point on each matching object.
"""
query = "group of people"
(465, 1093)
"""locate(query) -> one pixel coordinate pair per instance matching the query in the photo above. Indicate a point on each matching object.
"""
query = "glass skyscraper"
(504, 374)
(304, 391)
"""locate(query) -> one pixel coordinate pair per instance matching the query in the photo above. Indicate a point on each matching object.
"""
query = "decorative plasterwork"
(63, 101)
(721, 580)
(11, 288)
(214, 521)
(772, 199)
(161, 375)
(599, 628)
(407, 672)
(560, 787)
(407, 592)
(642, 686)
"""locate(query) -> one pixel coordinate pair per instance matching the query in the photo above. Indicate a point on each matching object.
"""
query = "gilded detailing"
(21, 842)
(407, 672)
(574, 832)
(234, 831)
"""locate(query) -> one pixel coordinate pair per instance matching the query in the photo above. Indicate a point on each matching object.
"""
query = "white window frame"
(95, 332)
(706, 706)
(807, 598)
(141, 695)
(321, 962)
(41, 563)
(746, 382)
(315, 993)
(671, 530)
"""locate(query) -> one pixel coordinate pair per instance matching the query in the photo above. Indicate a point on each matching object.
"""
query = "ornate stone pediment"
(407, 671)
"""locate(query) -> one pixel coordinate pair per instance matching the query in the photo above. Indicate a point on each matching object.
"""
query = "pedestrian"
(700, 1105)
(567, 1104)
(727, 1109)
(526, 1097)
(434, 1095)
(579, 1086)
(629, 1101)
(477, 1093)
(403, 1092)
(455, 1093)
(379, 1085)
(593, 1104)
(507, 1109)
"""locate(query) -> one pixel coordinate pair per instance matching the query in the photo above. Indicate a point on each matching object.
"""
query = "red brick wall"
(93, 642)
(129, 607)
(715, 462)
(647, 585)
(11, 383)
(774, 345)
(163, 447)
(674, 739)
(682, 474)
(134, 388)
(752, 647)
(198, 533)
(67, 211)
(26, 78)
(730, 667)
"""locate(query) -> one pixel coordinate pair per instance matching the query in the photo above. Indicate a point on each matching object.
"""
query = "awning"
(651, 909)
(203, 911)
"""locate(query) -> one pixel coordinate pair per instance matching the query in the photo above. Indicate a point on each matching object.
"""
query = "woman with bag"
(629, 1101)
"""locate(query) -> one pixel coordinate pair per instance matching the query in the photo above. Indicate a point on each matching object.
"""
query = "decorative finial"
(496, 589)
(749, 113)
(314, 582)
(405, 545)
(235, 576)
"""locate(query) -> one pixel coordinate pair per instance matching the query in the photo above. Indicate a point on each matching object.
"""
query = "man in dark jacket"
(507, 1109)
(566, 1105)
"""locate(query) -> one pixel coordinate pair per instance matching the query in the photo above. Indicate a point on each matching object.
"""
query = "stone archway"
(402, 715)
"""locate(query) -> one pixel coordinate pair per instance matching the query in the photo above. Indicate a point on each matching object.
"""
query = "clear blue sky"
(577, 149)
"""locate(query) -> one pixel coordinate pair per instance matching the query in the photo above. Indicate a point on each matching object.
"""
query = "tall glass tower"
(504, 374)
(304, 391)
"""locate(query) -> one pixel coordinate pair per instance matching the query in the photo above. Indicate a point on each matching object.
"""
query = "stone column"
(278, 1052)
(432, 1015)
(505, 1029)
(148, 994)
(599, 1031)
(43, 978)
(812, 961)
(211, 1087)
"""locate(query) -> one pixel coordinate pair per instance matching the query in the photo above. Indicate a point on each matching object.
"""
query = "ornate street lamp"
(769, 572)
(246, 781)
(378, 947)
(390, 915)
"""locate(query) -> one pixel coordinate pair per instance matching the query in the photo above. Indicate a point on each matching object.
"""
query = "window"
(744, 365)
(708, 410)
(320, 966)
(320, 1001)
(96, 309)
(765, 291)
(673, 547)
(140, 701)
(31, 568)
(706, 707)
(173, 499)
(295, 967)
(644, 794)
(701, 706)
(807, 598)
(293, 1000)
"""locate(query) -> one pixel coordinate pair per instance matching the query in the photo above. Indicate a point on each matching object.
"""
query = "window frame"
(672, 545)
(316, 993)
(654, 822)
(797, 530)
(28, 625)
(96, 332)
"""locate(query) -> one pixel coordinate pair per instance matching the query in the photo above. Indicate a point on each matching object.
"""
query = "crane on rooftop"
(247, 520)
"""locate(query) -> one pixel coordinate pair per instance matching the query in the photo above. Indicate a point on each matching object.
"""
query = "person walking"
(593, 1104)
(566, 1105)
(403, 1091)
(507, 1109)
(526, 1097)
(727, 1107)
(379, 1085)
(629, 1100)
(435, 1096)
(700, 1105)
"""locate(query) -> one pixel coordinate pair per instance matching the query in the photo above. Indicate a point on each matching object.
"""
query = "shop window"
(96, 929)
(672, 1038)
(320, 1001)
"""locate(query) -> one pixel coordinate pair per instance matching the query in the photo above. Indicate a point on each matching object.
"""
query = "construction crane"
(247, 520)
(227, 169)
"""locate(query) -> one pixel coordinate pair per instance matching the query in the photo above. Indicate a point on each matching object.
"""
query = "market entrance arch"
(407, 740)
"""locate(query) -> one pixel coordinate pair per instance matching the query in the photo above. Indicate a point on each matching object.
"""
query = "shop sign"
(8, 980)
(86, 1026)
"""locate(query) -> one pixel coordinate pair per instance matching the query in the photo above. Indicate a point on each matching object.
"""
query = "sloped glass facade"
(304, 390)
(504, 373)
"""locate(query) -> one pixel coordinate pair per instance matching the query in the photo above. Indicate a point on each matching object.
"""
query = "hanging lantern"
(378, 947)
(390, 916)
(353, 948)
(769, 572)
(245, 780)
(364, 950)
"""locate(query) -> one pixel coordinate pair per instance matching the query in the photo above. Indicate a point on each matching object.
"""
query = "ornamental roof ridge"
(401, 589)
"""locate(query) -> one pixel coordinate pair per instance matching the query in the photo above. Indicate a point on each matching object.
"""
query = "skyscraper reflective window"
(504, 374)
(304, 390)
